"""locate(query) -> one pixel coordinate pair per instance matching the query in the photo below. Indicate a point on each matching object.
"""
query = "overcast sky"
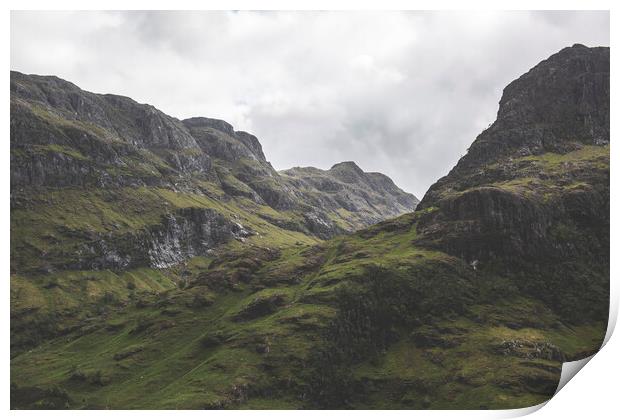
(403, 93)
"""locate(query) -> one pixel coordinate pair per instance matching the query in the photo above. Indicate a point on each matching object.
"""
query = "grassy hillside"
(363, 321)
(368, 320)
(379, 318)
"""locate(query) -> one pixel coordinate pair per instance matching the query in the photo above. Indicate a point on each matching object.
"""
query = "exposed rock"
(193, 232)
(528, 349)
(560, 102)
(218, 139)
(185, 234)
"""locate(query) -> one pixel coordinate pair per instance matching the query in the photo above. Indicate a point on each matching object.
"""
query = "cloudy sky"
(403, 93)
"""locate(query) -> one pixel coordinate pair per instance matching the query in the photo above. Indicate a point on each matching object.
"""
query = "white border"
(311, 5)
(593, 394)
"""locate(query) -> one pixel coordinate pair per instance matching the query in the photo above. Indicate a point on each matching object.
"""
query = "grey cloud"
(403, 93)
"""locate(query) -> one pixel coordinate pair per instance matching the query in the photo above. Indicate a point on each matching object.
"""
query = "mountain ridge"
(67, 138)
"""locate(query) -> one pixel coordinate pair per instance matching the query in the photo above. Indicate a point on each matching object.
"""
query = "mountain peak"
(557, 105)
(566, 88)
(347, 166)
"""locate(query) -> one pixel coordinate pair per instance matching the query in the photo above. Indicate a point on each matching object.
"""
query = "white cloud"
(400, 93)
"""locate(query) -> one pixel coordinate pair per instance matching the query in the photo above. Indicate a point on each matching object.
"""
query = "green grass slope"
(364, 321)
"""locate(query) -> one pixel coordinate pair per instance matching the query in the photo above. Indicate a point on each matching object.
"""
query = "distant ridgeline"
(158, 263)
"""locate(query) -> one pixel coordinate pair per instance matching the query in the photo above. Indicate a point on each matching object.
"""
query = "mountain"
(533, 190)
(102, 182)
(474, 300)
(363, 197)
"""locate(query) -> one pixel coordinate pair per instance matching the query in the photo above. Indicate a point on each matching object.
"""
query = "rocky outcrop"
(112, 140)
(193, 232)
(528, 349)
(189, 232)
(218, 139)
(118, 116)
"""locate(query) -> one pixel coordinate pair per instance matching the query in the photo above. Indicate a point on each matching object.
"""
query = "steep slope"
(472, 301)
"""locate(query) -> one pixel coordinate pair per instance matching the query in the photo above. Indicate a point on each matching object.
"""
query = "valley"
(159, 263)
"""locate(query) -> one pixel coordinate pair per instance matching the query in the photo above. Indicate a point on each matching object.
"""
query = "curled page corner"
(520, 412)
(570, 369)
(613, 314)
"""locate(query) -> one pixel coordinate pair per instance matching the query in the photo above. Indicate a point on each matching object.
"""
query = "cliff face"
(64, 139)
(176, 238)
(558, 106)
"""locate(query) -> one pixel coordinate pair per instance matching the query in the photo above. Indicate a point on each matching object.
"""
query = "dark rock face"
(533, 190)
(54, 168)
(561, 103)
(136, 124)
(491, 222)
(99, 140)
